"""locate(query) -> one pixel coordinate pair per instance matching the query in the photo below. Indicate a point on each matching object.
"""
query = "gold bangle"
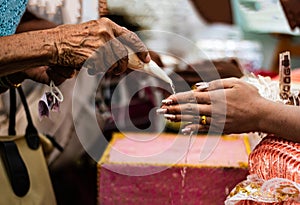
(11, 84)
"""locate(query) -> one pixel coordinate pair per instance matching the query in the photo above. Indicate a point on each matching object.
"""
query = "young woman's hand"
(230, 105)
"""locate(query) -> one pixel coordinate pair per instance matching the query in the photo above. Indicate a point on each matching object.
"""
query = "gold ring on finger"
(203, 120)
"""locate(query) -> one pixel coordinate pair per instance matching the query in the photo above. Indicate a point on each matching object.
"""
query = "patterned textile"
(274, 175)
(11, 12)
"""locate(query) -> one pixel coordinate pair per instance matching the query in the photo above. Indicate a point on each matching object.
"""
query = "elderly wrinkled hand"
(99, 45)
(227, 105)
(101, 42)
(45, 74)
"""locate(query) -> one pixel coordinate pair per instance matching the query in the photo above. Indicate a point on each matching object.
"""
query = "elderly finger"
(65, 72)
(55, 77)
(121, 66)
(132, 40)
(121, 56)
(100, 62)
(111, 57)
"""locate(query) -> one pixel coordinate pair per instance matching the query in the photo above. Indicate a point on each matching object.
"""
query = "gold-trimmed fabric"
(274, 175)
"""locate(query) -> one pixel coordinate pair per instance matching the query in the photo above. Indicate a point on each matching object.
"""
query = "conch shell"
(151, 68)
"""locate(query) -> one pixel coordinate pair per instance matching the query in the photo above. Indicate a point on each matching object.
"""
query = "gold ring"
(203, 120)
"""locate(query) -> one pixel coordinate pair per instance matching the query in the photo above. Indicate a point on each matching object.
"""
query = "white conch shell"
(151, 68)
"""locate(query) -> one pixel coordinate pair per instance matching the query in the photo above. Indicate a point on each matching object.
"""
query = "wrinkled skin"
(67, 48)
(101, 40)
(42, 74)
(71, 46)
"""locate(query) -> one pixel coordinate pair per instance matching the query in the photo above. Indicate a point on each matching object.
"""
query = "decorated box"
(156, 169)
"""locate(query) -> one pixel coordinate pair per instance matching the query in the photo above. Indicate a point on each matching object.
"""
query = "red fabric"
(266, 73)
(295, 75)
(275, 157)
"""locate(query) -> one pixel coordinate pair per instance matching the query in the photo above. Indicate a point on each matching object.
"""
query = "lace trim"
(272, 191)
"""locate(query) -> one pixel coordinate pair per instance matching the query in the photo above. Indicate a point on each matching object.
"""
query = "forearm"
(27, 50)
(281, 120)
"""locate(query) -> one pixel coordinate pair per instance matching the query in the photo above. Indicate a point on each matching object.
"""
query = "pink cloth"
(143, 169)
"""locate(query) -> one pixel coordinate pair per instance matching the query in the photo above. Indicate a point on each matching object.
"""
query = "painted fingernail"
(170, 116)
(186, 130)
(92, 71)
(161, 111)
(148, 58)
(167, 101)
(202, 85)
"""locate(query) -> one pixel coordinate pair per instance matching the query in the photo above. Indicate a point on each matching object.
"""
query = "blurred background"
(255, 31)
(251, 30)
